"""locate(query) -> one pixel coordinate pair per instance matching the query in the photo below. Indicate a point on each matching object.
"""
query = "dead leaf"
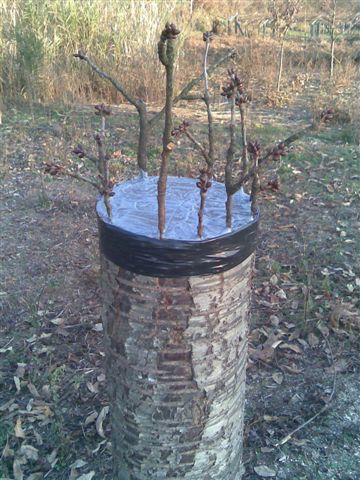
(73, 472)
(281, 294)
(99, 421)
(290, 346)
(101, 377)
(299, 443)
(51, 458)
(265, 354)
(87, 476)
(98, 327)
(29, 452)
(91, 418)
(274, 280)
(38, 437)
(270, 418)
(93, 387)
(100, 444)
(58, 321)
(78, 464)
(21, 369)
(278, 377)
(19, 432)
(7, 452)
(313, 340)
(17, 384)
(292, 368)
(6, 349)
(264, 471)
(17, 470)
(33, 390)
(6, 405)
(275, 321)
(340, 366)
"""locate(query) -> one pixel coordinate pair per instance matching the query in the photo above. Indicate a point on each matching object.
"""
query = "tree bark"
(281, 62)
(175, 356)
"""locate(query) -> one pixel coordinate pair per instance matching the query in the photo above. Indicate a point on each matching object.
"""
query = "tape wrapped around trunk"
(176, 258)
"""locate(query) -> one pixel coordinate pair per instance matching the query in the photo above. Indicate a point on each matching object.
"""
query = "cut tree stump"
(176, 351)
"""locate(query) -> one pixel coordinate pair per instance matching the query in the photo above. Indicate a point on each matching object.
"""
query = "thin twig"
(138, 104)
(198, 145)
(321, 411)
(289, 140)
(229, 164)
(193, 83)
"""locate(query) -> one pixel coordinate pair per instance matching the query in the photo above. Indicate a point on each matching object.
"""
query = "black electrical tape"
(176, 258)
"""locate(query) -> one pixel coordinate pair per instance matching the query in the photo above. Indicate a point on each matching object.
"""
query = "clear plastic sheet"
(134, 244)
(134, 208)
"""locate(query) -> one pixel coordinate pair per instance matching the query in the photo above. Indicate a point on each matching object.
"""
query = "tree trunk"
(332, 60)
(176, 353)
(278, 84)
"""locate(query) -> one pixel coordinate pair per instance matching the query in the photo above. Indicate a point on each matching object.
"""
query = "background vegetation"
(38, 39)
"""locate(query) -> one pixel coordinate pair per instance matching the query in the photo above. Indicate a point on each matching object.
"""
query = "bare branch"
(166, 50)
(198, 145)
(193, 83)
(275, 152)
(207, 38)
(230, 163)
(138, 104)
(55, 169)
(203, 184)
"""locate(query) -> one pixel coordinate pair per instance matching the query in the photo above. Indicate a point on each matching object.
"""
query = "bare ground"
(304, 342)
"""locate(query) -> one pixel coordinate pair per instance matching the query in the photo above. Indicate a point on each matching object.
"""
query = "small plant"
(252, 158)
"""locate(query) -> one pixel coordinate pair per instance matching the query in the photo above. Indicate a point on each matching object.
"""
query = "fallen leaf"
(292, 368)
(6, 349)
(17, 384)
(281, 294)
(36, 476)
(313, 340)
(51, 458)
(99, 421)
(29, 452)
(98, 327)
(91, 418)
(78, 464)
(289, 346)
(278, 377)
(87, 476)
(19, 432)
(7, 452)
(299, 443)
(100, 444)
(270, 418)
(21, 369)
(6, 405)
(17, 470)
(274, 280)
(93, 387)
(101, 377)
(275, 321)
(32, 389)
(58, 321)
(339, 366)
(264, 471)
(38, 437)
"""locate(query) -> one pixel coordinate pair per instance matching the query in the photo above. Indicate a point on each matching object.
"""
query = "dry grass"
(38, 39)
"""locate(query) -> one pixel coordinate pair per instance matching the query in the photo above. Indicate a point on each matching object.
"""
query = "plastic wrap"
(143, 254)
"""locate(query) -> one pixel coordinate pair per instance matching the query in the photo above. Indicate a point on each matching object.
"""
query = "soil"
(304, 341)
